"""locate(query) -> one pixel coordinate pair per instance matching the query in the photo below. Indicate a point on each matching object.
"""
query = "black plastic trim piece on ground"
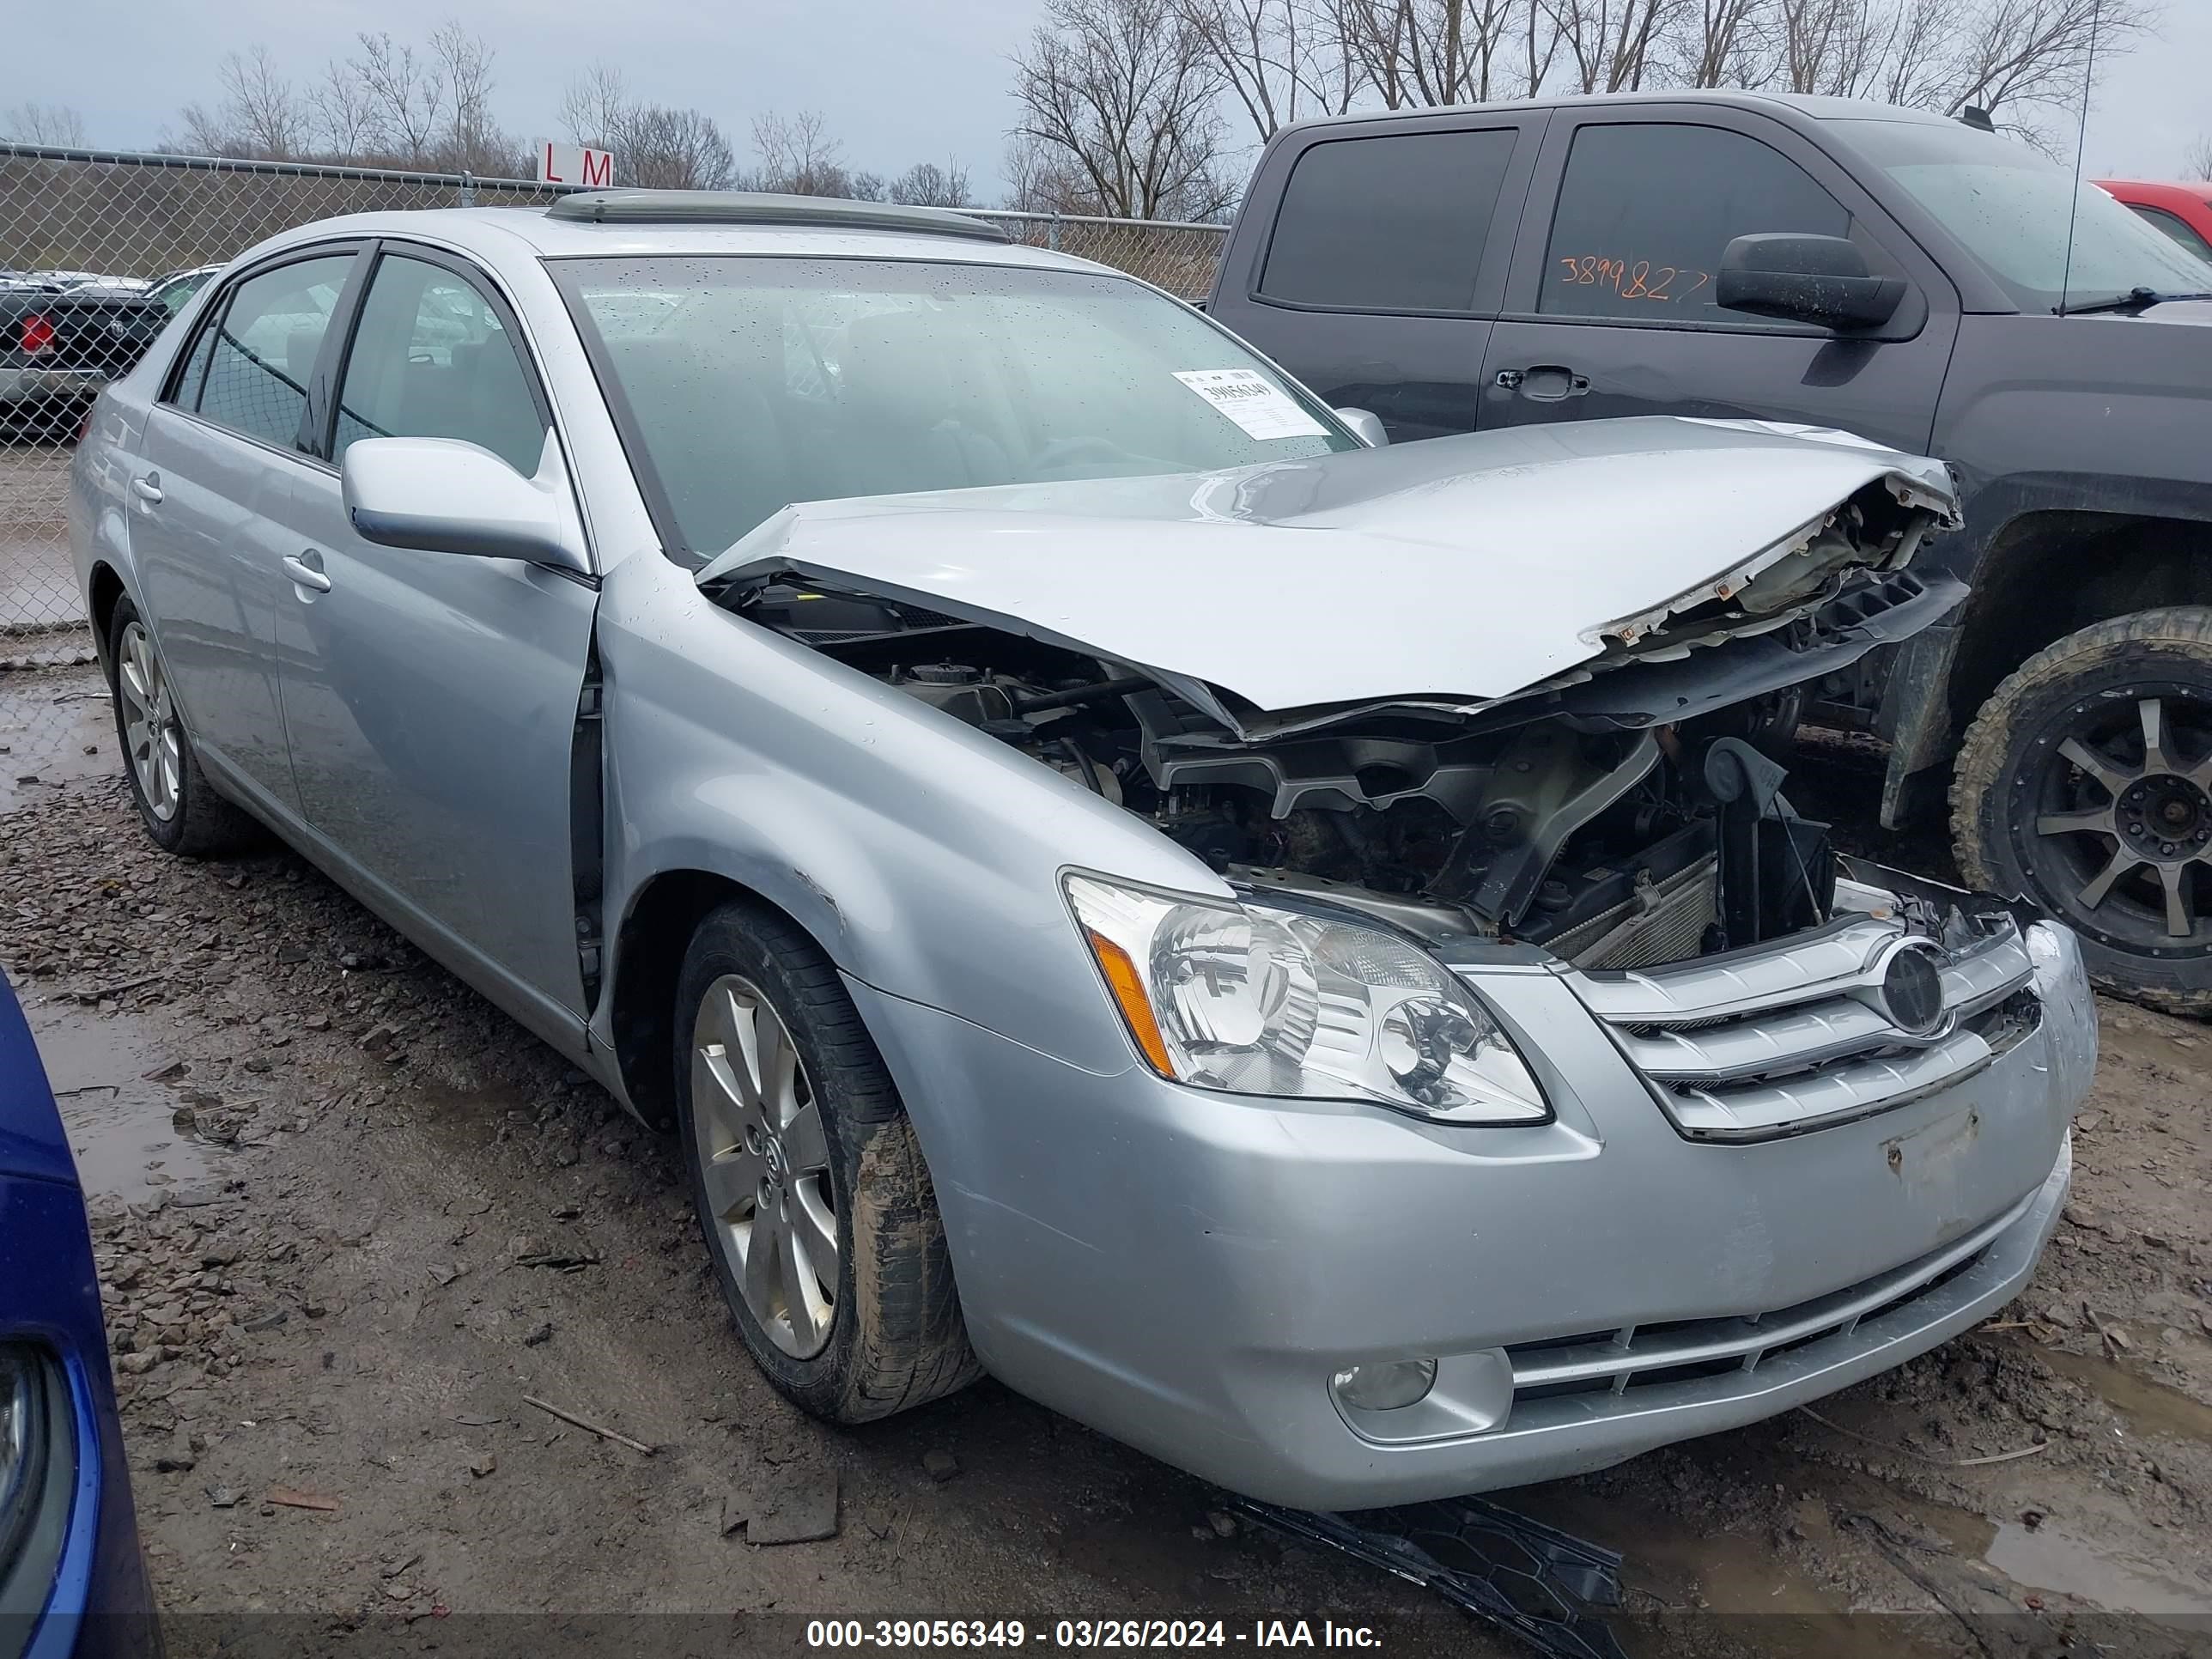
(1530, 1580)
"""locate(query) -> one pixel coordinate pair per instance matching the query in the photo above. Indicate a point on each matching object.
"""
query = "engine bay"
(1612, 846)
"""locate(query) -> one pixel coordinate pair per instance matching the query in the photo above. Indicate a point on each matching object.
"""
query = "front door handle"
(147, 486)
(305, 575)
(1546, 383)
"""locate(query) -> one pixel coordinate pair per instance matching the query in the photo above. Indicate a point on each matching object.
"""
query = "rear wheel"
(2085, 784)
(180, 810)
(809, 1183)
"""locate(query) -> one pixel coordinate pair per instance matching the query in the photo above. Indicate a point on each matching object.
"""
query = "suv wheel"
(182, 813)
(2085, 783)
(807, 1178)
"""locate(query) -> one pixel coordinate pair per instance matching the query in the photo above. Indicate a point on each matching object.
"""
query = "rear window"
(1388, 223)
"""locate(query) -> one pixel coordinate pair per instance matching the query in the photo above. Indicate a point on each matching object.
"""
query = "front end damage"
(1796, 1119)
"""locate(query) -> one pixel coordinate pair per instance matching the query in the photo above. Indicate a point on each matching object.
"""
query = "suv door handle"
(147, 486)
(305, 575)
(1546, 383)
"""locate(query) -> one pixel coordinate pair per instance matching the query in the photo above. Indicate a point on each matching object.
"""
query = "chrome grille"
(1784, 1038)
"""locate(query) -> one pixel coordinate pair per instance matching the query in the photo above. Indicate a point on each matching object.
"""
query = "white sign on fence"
(574, 164)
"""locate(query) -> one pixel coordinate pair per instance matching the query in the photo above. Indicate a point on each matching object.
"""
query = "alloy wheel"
(152, 740)
(2126, 832)
(764, 1165)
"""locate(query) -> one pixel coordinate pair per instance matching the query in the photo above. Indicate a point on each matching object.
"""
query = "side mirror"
(441, 496)
(1822, 280)
(1366, 426)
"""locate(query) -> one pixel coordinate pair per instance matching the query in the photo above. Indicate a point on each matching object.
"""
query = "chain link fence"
(71, 217)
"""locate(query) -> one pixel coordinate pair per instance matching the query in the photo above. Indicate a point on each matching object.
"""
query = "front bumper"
(1185, 1271)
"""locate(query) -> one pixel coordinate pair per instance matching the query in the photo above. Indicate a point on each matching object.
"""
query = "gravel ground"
(349, 1217)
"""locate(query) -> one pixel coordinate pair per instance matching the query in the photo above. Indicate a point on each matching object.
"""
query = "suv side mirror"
(443, 495)
(1822, 280)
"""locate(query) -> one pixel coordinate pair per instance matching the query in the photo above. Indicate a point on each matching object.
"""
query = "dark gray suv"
(1851, 265)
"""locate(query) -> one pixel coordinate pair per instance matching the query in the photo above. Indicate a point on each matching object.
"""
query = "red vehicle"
(2182, 211)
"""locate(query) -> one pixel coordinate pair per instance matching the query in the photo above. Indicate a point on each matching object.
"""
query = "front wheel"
(2085, 784)
(808, 1180)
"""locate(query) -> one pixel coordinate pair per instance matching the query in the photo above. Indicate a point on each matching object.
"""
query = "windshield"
(746, 384)
(2012, 207)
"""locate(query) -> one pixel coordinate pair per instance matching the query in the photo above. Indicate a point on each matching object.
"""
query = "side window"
(2174, 226)
(259, 356)
(1388, 223)
(432, 359)
(1645, 210)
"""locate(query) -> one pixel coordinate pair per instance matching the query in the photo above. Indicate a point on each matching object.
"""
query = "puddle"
(2150, 1408)
(119, 1124)
(2050, 1557)
(47, 722)
(1724, 1573)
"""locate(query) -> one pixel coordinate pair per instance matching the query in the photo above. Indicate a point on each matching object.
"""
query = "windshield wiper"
(2133, 299)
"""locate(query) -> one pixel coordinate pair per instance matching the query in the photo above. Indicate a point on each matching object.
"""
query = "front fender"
(922, 856)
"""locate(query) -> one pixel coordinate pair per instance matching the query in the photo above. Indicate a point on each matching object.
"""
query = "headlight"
(1257, 1000)
(32, 1431)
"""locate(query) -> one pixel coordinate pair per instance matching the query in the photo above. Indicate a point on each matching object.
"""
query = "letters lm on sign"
(574, 164)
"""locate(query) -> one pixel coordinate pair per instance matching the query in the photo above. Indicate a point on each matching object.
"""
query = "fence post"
(468, 188)
(1052, 232)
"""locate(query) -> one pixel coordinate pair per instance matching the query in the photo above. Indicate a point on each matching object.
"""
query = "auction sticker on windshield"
(1254, 402)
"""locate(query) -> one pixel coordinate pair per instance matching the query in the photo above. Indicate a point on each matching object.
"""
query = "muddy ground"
(349, 1217)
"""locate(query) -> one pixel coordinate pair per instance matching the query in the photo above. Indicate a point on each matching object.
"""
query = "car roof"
(1819, 106)
(499, 234)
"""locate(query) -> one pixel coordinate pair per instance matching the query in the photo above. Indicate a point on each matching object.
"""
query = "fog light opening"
(1391, 1386)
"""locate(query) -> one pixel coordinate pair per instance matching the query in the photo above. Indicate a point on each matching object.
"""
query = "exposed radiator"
(1665, 922)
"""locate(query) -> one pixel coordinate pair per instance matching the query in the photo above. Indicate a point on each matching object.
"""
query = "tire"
(894, 1337)
(179, 809)
(2066, 740)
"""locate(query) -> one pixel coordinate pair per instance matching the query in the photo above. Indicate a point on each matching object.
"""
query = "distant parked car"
(72, 1580)
(173, 289)
(2182, 211)
(60, 346)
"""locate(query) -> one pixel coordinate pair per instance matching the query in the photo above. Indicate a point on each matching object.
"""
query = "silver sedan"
(1287, 950)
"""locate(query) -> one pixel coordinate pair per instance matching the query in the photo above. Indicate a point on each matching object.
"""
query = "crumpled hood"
(1468, 567)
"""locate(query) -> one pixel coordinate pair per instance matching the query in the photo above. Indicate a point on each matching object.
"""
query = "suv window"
(1645, 210)
(260, 353)
(432, 358)
(1388, 223)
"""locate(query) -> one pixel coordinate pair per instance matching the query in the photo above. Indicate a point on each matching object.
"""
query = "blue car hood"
(32, 1140)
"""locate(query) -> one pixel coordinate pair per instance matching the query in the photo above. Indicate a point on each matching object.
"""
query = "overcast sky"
(898, 83)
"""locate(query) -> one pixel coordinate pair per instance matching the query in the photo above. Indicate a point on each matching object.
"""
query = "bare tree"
(1610, 44)
(473, 140)
(43, 123)
(927, 184)
(261, 116)
(797, 157)
(1125, 92)
(596, 108)
(1720, 43)
(2197, 160)
(406, 94)
(344, 113)
(1281, 60)
(675, 150)
(2020, 57)
(1043, 178)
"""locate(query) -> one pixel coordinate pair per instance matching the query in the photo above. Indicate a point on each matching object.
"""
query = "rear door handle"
(305, 575)
(147, 486)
